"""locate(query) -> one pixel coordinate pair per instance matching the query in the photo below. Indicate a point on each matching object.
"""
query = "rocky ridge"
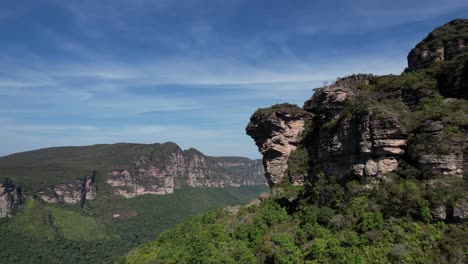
(363, 126)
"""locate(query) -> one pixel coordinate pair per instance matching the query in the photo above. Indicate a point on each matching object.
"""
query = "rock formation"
(76, 175)
(78, 191)
(277, 131)
(11, 198)
(442, 44)
(362, 126)
(445, 44)
(161, 175)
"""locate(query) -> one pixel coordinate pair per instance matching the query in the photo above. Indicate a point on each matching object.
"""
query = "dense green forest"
(106, 228)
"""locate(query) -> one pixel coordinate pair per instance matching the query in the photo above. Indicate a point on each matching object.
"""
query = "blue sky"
(191, 72)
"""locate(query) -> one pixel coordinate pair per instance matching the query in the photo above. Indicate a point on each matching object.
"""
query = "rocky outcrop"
(11, 198)
(442, 44)
(362, 126)
(149, 175)
(76, 192)
(164, 173)
(342, 144)
(437, 151)
(277, 131)
(433, 165)
(366, 144)
(445, 44)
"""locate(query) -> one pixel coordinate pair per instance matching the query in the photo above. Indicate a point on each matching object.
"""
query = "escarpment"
(162, 174)
(76, 175)
(378, 128)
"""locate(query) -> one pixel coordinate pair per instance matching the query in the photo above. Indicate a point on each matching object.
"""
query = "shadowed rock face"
(78, 191)
(11, 198)
(276, 135)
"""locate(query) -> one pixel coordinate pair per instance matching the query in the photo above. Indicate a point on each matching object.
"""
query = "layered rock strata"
(277, 134)
(78, 191)
(354, 129)
(190, 168)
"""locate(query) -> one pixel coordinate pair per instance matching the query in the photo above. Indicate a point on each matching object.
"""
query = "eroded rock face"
(367, 144)
(161, 175)
(78, 191)
(11, 198)
(276, 136)
(149, 175)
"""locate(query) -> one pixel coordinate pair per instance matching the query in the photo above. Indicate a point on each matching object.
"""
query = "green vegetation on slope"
(43, 233)
(285, 107)
(320, 223)
(456, 29)
(155, 213)
(45, 221)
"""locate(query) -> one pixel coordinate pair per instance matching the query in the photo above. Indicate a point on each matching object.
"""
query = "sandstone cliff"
(78, 174)
(162, 174)
(77, 191)
(371, 128)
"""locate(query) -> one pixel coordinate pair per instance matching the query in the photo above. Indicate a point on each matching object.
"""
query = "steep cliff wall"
(77, 191)
(162, 174)
(57, 174)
